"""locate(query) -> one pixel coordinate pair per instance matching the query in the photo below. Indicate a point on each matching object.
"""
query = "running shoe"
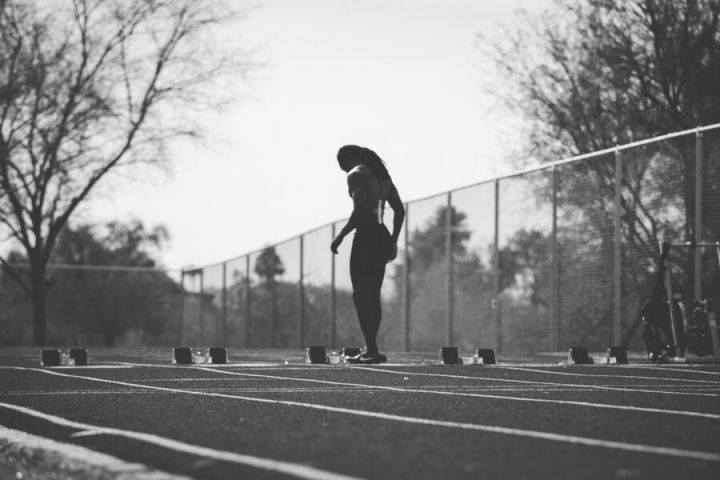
(368, 359)
(353, 358)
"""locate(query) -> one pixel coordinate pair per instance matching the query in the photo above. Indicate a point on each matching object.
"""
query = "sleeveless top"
(376, 191)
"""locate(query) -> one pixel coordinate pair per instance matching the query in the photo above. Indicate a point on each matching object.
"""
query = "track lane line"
(531, 382)
(288, 468)
(456, 389)
(690, 368)
(662, 411)
(685, 413)
(478, 395)
(599, 375)
(572, 439)
(540, 435)
(395, 389)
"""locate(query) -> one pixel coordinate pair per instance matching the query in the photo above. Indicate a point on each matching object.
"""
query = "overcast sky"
(403, 77)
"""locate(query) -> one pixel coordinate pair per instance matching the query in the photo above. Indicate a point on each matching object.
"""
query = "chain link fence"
(559, 255)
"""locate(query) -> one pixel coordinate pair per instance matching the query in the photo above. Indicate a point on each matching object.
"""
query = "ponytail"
(368, 158)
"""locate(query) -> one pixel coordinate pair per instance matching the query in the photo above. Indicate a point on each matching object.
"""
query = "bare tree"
(90, 87)
(593, 74)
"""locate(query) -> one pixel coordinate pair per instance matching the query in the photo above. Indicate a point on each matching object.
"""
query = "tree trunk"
(39, 297)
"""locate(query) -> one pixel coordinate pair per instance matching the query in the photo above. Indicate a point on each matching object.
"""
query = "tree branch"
(10, 270)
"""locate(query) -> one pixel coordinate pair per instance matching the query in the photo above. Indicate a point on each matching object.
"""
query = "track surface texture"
(268, 415)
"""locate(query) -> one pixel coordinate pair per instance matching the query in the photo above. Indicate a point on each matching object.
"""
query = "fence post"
(448, 274)
(554, 304)
(699, 160)
(333, 295)
(273, 305)
(617, 264)
(301, 326)
(224, 302)
(248, 299)
(406, 283)
(202, 306)
(497, 317)
(182, 308)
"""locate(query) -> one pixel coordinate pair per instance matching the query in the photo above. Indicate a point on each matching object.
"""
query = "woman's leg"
(362, 298)
(367, 273)
(367, 270)
(375, 286)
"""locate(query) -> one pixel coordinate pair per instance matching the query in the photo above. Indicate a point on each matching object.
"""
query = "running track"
(261, 417)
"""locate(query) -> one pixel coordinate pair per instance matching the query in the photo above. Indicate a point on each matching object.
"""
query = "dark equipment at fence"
(669, 332)
(699, 334)
(660, 319)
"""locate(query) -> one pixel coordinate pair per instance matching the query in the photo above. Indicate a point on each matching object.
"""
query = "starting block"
(579, 356)
(485, 356)
(51, 358)
(189, 356)
(218, 355)
(182, 356)
(79, 356)
(316, 354)
(56, 357)
(617, 355)
(450, 356)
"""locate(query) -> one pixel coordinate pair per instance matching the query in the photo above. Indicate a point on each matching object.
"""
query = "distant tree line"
(106, 288)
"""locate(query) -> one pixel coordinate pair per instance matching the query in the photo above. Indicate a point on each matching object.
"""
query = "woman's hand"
(336, 243)
(393, 252)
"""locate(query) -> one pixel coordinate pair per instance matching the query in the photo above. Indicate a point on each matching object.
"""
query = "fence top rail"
(614, 149)
(536, 168)
(105, 268)
(260, 250)
(695, 244)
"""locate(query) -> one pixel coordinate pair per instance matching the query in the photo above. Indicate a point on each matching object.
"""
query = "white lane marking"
(186, 379)
(662, 411)
(691, 368)
(638, 377)
(532, 382)
(293, 469)
(90, 367)
(216, 365)
(457, 389)
(80, 458)
(685, 413)
(229, 456)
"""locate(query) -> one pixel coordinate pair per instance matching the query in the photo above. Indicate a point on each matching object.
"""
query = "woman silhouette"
(370, 186)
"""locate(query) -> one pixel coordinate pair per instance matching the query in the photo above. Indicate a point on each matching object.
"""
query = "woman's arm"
(398, 218)
(398, 211)
(359, 197)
